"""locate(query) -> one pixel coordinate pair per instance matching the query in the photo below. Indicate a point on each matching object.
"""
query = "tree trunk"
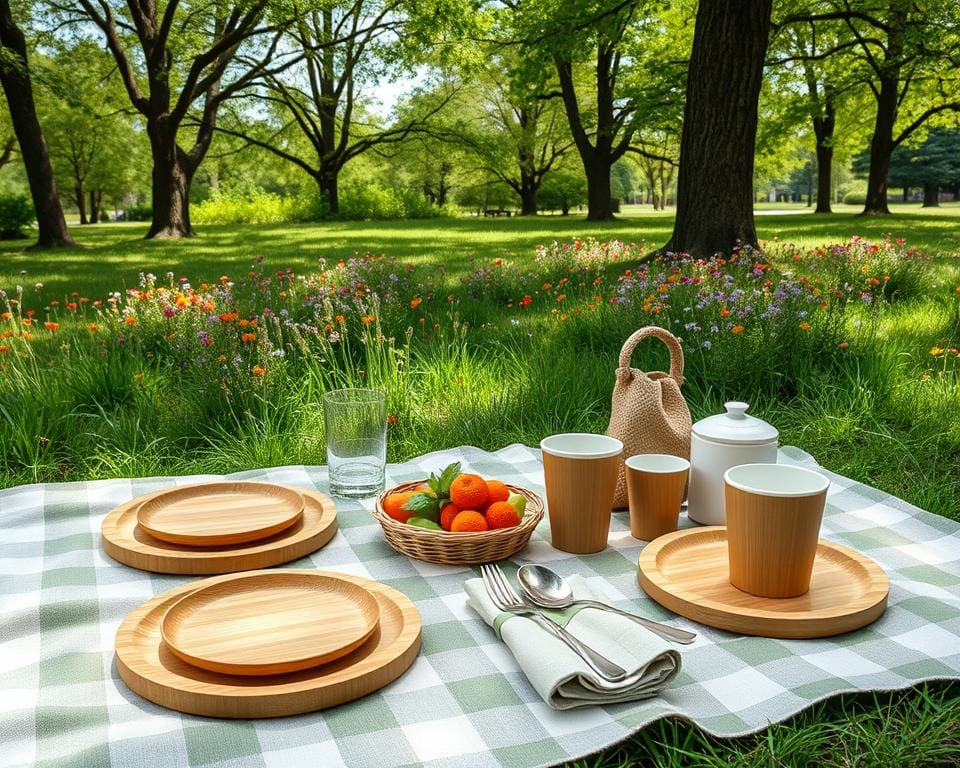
(824, 176)
(79, 196)
(95, 197)
(15, 79)
(715, 186)
(881, 147)
(906, 194)
(328, 182)
(598, 188)
(931, 195)
(528, 195)
(171, 184)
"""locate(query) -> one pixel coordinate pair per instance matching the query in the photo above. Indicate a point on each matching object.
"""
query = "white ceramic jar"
(718, 443)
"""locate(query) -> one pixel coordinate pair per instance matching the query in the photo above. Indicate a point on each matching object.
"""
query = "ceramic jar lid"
(735, 427)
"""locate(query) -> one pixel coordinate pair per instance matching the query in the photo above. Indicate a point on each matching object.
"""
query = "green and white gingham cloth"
(464, 701)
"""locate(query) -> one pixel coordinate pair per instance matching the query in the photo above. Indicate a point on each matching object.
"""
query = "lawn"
(112, 255)
(850, 352)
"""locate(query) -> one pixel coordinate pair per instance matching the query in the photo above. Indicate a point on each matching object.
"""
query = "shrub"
(374, 202)
(855, 198)
(256, 207)
(16, 212)
(138, 213)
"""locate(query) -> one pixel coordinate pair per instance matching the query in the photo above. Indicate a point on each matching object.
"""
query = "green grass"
(112, 255)
(883, 411)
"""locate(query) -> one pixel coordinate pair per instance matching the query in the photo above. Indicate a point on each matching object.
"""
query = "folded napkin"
(559, 675)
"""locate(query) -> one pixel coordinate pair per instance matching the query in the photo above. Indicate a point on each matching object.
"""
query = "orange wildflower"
(229, 317)
(804, 326)
(222, 359)
(4, 349)
(248, 338)
(27, 321)
(737, 329)
(724, 312)
(72, 306)
(258, 370)
(844, 344)
(341, 319)
(367, 319)
(52, 327)
(415, 302)
(92, 327)
(130, 320)
(6, 316)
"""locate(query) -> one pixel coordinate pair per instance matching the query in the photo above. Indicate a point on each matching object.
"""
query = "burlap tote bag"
(648, 413)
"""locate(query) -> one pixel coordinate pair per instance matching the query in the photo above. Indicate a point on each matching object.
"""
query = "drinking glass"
(355, 421)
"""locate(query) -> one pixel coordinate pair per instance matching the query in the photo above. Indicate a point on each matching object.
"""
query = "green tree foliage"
(932, 165)
(906, 53)
(97, 149)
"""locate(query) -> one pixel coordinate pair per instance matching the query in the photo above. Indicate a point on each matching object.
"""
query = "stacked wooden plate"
(218, 528)
(267, 643)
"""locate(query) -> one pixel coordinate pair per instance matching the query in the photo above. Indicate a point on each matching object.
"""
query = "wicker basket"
(458, 548)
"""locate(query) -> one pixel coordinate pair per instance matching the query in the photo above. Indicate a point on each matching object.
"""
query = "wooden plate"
(270, 623)
(129, 544)
(148, 667)
(688, 572)
(218, 514)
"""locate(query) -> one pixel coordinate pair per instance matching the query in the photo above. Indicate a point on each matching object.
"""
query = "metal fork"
(506, 599)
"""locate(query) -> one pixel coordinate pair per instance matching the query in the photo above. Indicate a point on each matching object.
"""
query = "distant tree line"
(537, 104)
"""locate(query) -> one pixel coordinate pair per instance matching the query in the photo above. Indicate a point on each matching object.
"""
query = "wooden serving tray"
(127, 543)
(148, 667)
(220, 514)
(270, 623)
(688, 572)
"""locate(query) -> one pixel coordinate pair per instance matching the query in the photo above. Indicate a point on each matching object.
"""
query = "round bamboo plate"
(220, 514)
(688, 572)
(270, 623)
(148, 667)
(127, 543)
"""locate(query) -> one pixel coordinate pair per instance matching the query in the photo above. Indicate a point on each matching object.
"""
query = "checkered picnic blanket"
(464, 701)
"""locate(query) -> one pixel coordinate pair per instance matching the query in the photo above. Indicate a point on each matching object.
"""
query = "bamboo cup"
(580, 473)
(773, 526)
(655, 486)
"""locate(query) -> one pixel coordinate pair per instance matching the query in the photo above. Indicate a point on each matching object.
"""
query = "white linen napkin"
(560, 676)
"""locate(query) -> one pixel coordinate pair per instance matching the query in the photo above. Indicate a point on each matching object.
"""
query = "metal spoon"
(547, 589)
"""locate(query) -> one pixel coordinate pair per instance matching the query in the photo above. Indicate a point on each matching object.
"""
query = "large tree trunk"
(80, 198)
(328, 182)
(171, 184)
(824, 176)
(881, 147)
(95, 197)
(715, 186)
(528, 194)
(15, 79)
(597, 169)
(931, 195)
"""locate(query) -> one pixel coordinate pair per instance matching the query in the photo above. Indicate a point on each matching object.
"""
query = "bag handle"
(676, 351)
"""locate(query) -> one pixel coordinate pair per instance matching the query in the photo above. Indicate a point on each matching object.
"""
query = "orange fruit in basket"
(447, 513)
(469, 492)
(498, 491)
(393, 505)
(469, 521)
(502, 515)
